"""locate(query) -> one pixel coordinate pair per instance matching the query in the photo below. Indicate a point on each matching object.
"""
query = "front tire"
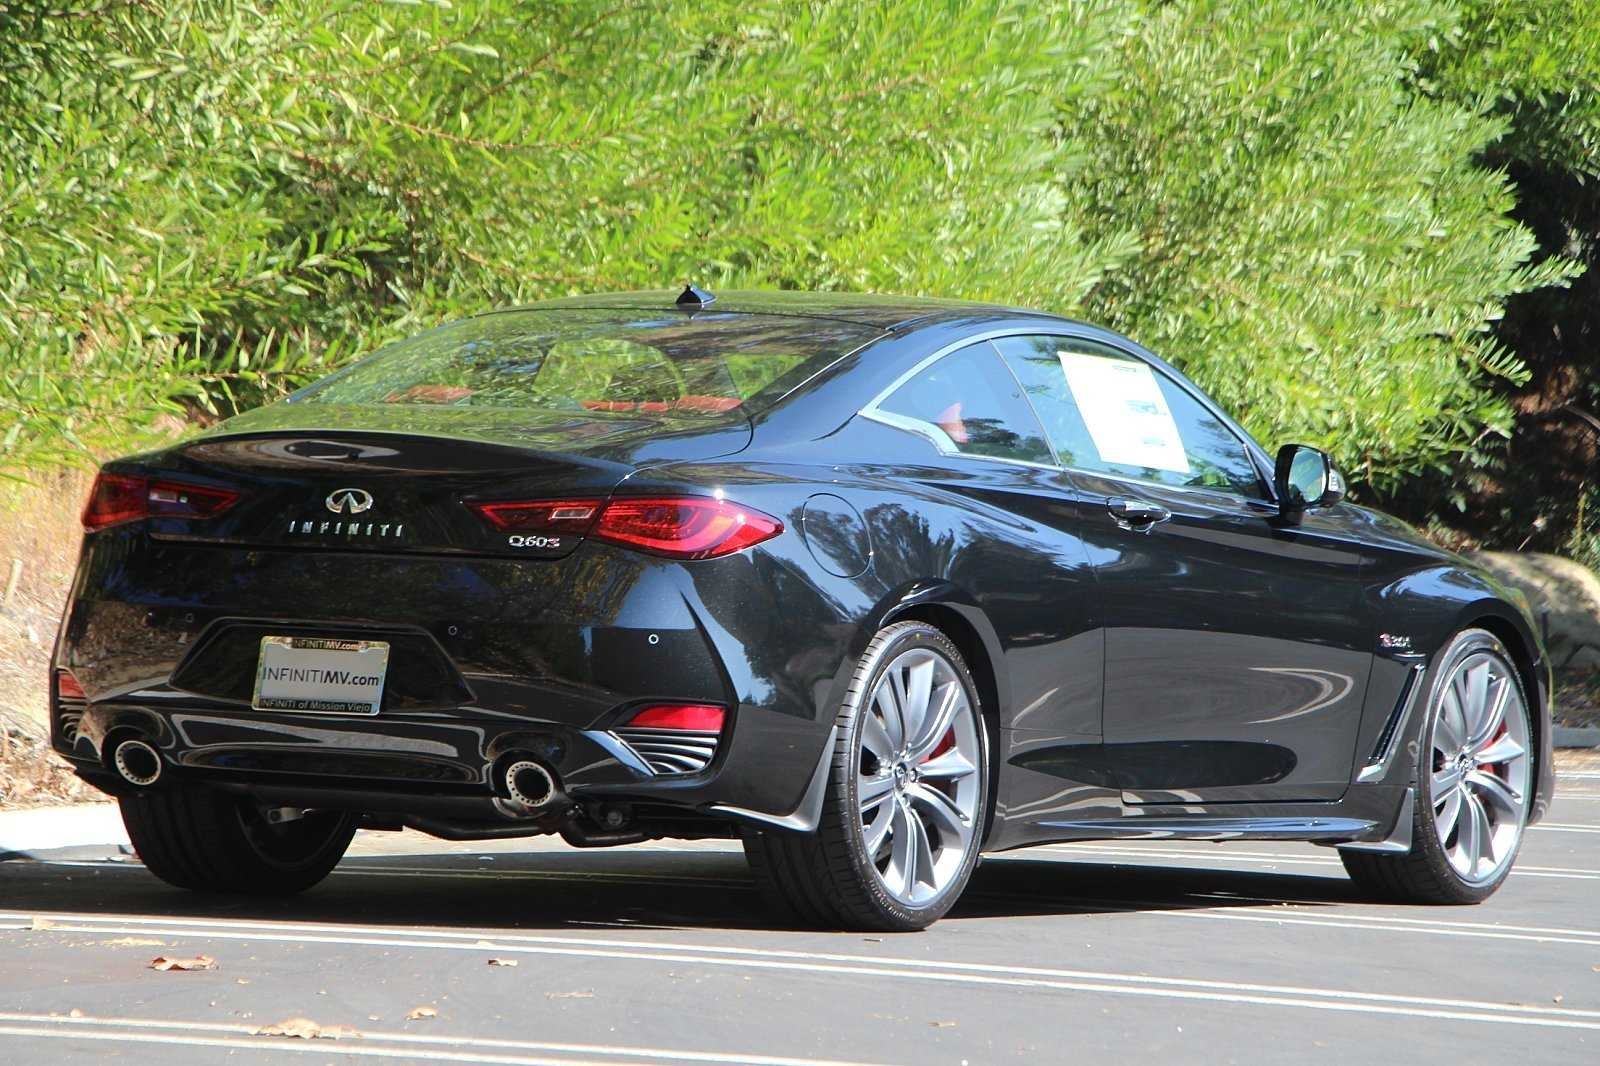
(905, 805)
(1474, 783)
(210, 841)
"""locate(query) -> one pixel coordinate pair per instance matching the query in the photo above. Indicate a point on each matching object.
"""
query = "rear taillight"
(117, 498)
(539, 516)
(67, 687)
(684, 527)
(684, 717)
(680, 527)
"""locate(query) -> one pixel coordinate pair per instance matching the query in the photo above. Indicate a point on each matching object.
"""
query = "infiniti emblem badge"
(349, 501)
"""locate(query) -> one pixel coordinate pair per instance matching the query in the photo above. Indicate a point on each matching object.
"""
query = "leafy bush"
(1319, 248)
(211, 202)
(203, 203)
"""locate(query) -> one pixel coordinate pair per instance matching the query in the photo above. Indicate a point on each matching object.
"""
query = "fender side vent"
(1383, 750)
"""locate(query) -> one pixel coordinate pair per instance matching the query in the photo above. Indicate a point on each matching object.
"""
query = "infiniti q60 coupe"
(874, 585)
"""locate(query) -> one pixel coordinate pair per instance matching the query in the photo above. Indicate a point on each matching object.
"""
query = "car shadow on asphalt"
(645, 889)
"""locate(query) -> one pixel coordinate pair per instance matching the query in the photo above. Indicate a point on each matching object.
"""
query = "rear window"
(604, 362)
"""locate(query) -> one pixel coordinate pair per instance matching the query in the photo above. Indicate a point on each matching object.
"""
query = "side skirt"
(1317, 829)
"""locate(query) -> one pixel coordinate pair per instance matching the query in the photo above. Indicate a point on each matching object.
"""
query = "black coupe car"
(873, 584)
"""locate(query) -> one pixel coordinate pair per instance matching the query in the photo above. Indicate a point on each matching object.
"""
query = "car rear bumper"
(488, 657)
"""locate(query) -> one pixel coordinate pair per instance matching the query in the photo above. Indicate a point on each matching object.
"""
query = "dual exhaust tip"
(136, 762)
(528, 784)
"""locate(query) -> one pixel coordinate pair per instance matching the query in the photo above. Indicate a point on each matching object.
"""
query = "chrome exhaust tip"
(137, 763)
(529, 784)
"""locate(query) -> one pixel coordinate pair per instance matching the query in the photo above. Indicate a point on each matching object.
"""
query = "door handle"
(1138, 515)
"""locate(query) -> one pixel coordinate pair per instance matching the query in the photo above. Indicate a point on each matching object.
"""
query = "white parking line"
(1271, 910)
(1563, 827)
(838, 964)
(212, 1034)
(1346, 922)
(542, 875)
(1282, 916)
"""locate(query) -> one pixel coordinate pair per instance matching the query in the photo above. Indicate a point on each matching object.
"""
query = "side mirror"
(1304, 478)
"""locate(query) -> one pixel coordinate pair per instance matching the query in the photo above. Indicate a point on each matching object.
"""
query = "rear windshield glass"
(606, 362)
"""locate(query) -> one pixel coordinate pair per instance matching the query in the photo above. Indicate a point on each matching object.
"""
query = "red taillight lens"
(684, 527)
(685, 717)
(117, 498)
(539, 516)
(67, 687)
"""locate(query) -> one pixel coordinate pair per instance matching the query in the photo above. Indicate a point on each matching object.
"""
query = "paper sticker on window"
(1124, 411)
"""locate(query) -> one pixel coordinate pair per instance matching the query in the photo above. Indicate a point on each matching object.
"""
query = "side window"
(971, 401)
(1107, 411)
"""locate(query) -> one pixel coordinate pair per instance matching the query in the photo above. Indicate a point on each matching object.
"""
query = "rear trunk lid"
(402, 479)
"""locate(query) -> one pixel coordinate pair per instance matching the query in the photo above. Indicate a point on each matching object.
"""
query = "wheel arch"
(1532, 670)
(959, 617)
(969, 629)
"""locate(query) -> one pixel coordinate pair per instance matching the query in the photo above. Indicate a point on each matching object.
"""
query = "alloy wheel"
(917, 785)
(1480, 767)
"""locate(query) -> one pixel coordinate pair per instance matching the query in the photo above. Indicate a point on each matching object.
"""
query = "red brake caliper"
(1488, 767)
(943, 746)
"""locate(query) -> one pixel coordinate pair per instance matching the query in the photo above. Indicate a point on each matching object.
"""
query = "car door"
(1012, 543)
(1236, 649)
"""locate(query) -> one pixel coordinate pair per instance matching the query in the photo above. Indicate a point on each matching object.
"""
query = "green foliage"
(1319, 248)
(1536, 62)
(203, 202)
(210, 202)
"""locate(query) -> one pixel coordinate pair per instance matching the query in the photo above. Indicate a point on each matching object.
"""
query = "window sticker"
(1124, 411)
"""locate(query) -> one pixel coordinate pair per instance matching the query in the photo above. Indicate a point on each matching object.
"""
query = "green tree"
(1318, 246)
(203, 203)
(209, 201)
(1535, 64)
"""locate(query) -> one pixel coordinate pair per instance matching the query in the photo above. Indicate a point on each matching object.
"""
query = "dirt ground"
(38, 529)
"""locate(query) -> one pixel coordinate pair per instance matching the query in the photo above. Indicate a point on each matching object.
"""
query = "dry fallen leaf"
(943, 1025)
(502, 962)
(41, 923)
(306, 1029)
(134, 942)
(581, 994)
(74, 1013)
(199, 962)
(421, 1012)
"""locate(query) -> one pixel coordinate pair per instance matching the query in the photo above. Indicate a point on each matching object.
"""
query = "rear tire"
(209, 841)
(1474, 782)
(907, 789)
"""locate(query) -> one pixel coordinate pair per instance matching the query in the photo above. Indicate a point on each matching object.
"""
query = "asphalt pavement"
(523, 952)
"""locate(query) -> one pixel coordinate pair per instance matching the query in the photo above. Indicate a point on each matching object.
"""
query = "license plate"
(321, 675)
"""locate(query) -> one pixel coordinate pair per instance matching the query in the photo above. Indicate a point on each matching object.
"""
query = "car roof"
(870, 310)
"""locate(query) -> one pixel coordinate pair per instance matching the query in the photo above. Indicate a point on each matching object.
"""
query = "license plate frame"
(294, 669)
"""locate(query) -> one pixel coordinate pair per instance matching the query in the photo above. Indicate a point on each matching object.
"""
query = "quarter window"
(970, 403)
(1109, 412)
